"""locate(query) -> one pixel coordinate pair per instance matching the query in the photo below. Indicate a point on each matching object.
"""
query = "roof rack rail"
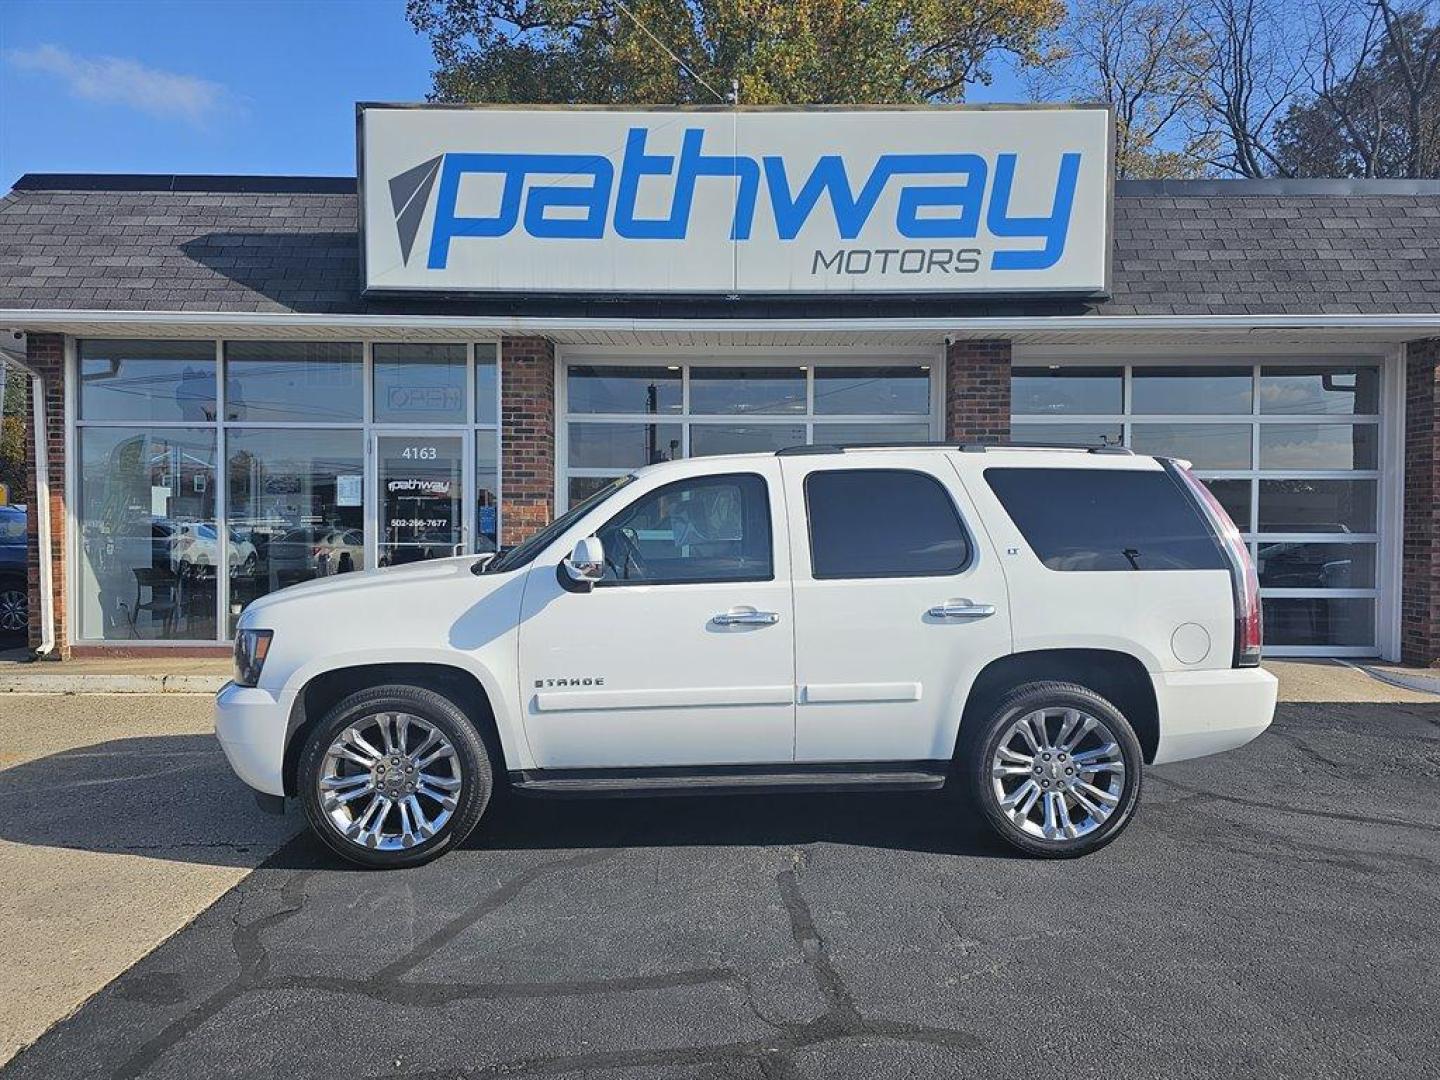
(964, 448)
(980, 448)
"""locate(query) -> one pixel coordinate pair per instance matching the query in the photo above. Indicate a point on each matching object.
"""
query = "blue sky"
(207, 86)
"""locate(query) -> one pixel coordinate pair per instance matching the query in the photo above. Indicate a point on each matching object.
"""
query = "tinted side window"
(1106, 519)
(882, 523)
(709, 528)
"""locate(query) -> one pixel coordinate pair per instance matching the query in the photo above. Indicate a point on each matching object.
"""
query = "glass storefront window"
(857, 434)
(747, 391)
(295, 508)
(1351, 390)
(708, 439)
(487, 384)
(1042, 391)
(1320, 446)
(593, 388)
(622, 446)
(421, 482)
(1318, 620)
(1205, 446)
(487, 492)
(880, 391)
(1317, 506)
(147, 380)
(1234, 496)
(149, 550)
(1191, 390)
(1290, 450)
(419, 384)
(294, 381)
(1067, 434)
(1294, 565)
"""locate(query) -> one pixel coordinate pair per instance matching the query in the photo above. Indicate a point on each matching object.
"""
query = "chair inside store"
(156, 595)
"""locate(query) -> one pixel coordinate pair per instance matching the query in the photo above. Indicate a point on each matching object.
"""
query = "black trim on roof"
(223, 185)
(1209, 189)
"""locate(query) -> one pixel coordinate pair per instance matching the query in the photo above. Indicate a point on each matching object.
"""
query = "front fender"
(508, 725)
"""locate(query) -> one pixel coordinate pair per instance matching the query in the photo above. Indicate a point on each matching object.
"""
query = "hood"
(401, 579)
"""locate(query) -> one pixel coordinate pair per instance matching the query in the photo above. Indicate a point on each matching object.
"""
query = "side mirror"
(585, 566)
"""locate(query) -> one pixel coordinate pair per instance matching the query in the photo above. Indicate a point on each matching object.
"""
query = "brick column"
(46, 353)
(1420, 565)
(977, 391)
(527, 437)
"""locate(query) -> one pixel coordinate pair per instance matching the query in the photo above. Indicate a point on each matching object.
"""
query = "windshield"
(523, 553)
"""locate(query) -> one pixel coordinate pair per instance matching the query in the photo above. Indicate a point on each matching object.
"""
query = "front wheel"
(1055, 769)
(394, 776)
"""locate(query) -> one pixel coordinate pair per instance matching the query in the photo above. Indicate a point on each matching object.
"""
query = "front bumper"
(251, 724)
(1206, 712)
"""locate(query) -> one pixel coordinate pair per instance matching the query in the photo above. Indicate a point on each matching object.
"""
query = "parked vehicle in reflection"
(195, 547)
(305, 553)
(14, 594)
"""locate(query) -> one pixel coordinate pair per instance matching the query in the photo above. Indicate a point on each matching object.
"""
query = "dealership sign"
(749, 201)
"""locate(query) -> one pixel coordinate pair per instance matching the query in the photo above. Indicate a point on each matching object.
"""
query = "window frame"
(477, 350)
(965, 532)
(704, 479)
(1387, 418)
(685, 361)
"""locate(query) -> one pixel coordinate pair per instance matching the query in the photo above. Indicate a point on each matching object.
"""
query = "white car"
(1037, 624)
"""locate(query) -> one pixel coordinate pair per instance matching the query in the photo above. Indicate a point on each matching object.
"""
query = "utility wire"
(666, 49)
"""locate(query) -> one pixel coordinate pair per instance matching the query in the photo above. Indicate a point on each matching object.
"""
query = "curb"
(59, 682)
(1424, 684)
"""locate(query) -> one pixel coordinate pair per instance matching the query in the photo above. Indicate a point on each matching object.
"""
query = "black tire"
(473, 762)
(985, 744)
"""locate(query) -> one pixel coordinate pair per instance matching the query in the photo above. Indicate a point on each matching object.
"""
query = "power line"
(666, 49)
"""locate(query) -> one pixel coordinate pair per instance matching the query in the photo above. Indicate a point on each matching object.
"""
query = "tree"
(776, 52)
(1145, 59)
(13, 473)
(1256, 51)
(1373, 106)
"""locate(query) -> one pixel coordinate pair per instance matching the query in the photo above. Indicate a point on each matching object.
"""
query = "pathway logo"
(409, 192)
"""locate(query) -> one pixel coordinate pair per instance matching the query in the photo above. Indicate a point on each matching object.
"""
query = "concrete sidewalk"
(161, 675)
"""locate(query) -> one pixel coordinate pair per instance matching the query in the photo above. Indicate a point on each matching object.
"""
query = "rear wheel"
(1055, 769)
(14, 608)
(394, 776)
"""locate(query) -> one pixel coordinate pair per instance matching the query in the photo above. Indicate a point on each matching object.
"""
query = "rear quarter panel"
(1135, 612)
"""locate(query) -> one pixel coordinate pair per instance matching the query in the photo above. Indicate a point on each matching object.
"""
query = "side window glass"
(868, 523)
(708, 528)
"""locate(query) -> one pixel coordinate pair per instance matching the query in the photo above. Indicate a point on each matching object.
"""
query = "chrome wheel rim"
(14, 608)
(389, 781)
(1058, 774)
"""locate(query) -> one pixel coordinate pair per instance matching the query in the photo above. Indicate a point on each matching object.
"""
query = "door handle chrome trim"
(961, 609)
(746, 616)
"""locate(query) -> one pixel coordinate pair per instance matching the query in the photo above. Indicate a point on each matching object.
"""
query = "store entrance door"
(422, 480)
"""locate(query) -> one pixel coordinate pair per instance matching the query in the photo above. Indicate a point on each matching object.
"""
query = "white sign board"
(995, 201)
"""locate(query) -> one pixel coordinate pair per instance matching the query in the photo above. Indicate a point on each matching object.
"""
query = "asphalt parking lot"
(1274, 911)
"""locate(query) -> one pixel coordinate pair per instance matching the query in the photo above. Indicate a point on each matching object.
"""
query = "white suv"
(1040, 623)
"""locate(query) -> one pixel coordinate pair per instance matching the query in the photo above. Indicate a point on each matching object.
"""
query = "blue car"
(14, 601)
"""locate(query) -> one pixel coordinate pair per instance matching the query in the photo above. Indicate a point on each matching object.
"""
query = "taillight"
(1243, 579)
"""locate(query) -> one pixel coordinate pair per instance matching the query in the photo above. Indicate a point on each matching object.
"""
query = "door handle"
(961, 609)
(746, 616)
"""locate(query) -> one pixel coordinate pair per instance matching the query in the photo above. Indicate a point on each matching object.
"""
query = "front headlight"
(251, 648)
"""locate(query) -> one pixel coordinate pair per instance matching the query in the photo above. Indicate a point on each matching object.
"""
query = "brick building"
(231, 410)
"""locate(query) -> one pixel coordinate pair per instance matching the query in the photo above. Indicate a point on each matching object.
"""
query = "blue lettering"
(1053, 229)
(966, 199)
(514, 167)
(693, 164)
(853, 211)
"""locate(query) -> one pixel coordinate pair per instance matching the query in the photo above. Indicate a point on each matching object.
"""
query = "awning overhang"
(761, 333)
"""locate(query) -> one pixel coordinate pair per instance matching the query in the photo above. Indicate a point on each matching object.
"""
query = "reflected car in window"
(14, 592)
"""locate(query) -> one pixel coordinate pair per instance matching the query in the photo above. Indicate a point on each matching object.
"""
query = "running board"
(732, 779)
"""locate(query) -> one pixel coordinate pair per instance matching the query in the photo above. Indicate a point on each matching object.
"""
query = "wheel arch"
(324, 689)
(1119, 677)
